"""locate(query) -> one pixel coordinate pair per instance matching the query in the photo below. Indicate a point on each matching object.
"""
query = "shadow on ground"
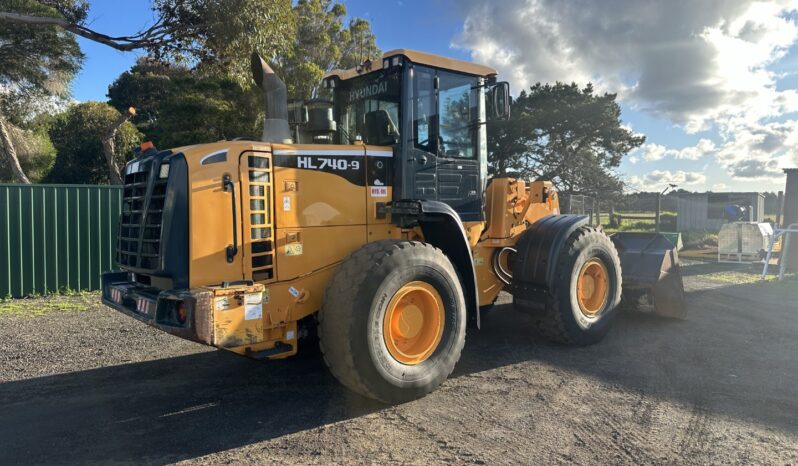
(735, 356)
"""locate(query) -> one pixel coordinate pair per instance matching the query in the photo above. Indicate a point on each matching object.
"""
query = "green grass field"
(696, 239)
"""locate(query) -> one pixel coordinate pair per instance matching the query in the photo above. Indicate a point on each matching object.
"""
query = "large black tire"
(560, 318)
(355, 304)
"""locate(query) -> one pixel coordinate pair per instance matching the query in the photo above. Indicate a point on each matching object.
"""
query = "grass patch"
(747, 278)
(39, 306)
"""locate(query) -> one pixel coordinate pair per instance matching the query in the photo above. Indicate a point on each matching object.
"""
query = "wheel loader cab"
(432, 112)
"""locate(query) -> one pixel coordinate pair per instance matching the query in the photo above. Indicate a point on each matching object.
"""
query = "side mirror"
(498, 97)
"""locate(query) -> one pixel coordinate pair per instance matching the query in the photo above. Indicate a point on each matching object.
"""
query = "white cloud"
(702, 148)
(651, 152)
(690, 62)
(700, 64)
(680, 177)
(656, 180)
(759, 151)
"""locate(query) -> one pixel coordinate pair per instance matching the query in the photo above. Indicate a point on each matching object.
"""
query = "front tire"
(582, 305)
(392, 321)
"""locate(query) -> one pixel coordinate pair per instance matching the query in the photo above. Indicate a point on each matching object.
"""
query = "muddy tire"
(582, 305)
(392, 320)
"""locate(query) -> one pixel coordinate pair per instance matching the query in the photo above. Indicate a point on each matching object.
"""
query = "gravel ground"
(83, 384)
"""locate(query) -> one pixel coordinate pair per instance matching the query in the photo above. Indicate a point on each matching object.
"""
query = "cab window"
(457, 107)
(444, 119)
(365, 101)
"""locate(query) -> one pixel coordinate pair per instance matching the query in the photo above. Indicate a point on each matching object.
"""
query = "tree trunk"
(11, 153)
(109, 149)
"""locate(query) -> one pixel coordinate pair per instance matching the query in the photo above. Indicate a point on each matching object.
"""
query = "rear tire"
(363, 293)
(587, 261)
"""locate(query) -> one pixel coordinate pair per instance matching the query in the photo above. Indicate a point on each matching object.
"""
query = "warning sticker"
(293, 249)
(379, 191)
(286, 203)
(222, 303)
(253, 311)
(293, 291)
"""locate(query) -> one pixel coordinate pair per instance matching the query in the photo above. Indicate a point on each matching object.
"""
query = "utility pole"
(659, 205)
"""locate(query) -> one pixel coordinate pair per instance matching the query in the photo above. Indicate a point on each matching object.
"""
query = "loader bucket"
(652, 278)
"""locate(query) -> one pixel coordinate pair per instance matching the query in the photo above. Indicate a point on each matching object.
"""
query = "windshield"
(370, 98)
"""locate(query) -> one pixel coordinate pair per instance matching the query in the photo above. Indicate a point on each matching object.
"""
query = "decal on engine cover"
(359, 167)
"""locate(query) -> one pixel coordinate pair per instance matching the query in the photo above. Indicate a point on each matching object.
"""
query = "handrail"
(232, 250)
(787, 233)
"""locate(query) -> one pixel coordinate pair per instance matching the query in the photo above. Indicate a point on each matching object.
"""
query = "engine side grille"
(139, 243)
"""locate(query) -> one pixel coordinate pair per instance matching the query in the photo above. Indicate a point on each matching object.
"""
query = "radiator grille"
(139, 243)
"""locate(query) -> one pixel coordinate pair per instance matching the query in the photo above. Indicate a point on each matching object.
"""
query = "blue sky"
(712, 85)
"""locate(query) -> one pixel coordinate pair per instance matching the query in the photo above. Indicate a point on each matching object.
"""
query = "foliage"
(176, 106)
(207, 110)
(35, 61)
(321, 44)
(76, 135)
(145, 86)
(219, 35)
(216, 35)
(36, 152)
(563, 133)
(36, 65)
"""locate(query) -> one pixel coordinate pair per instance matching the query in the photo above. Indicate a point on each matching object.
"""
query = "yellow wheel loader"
(369, 220)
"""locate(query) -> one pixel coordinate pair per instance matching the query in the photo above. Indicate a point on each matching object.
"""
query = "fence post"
(779, 208)
(613, 223)
(597, 206)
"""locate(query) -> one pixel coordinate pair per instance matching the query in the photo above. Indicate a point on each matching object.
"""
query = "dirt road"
(722, 387)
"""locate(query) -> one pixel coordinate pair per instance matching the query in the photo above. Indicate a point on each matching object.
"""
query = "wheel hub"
(592, 287)
(413, 324)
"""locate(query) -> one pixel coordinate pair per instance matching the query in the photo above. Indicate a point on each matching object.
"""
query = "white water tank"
(744, 238)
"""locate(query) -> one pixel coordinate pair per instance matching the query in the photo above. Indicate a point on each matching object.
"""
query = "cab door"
(443, 154)
(422, 148)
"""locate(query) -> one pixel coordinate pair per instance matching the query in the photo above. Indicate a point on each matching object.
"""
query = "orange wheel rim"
(592, 287)
(413, 324)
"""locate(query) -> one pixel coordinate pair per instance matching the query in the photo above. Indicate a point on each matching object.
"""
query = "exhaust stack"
(275, 97)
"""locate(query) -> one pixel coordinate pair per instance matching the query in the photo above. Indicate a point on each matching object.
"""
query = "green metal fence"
(56, 237)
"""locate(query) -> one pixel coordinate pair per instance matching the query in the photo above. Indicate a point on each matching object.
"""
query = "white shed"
(705, 211)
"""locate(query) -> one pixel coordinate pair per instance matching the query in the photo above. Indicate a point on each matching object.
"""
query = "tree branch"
(11, 153)
(109, 149)
(156, 35)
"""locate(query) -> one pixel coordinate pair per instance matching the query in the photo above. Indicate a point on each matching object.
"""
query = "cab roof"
(421, 58)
